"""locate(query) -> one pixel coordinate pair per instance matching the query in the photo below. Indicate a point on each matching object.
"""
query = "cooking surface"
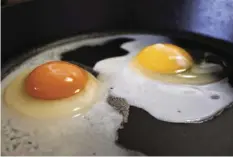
(154, 137)
(97, 52)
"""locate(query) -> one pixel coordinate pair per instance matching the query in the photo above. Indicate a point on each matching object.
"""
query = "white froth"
(92, 134)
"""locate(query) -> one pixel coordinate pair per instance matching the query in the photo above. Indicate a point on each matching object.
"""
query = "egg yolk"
(55, 80)
(164, 58)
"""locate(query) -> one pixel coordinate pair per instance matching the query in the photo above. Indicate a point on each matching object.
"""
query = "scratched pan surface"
(142, 132)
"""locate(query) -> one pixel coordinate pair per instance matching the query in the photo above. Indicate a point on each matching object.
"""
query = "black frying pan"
(195, 24)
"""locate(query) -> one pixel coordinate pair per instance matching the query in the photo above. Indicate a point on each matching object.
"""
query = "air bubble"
(214, 96)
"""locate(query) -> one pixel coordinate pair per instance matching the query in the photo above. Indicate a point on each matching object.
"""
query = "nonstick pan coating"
(142, 132)
(37, 22)
(197, 24)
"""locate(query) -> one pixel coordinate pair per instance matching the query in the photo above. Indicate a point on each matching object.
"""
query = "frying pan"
(195, 24)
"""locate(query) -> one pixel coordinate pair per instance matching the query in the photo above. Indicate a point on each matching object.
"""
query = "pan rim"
(12, 63)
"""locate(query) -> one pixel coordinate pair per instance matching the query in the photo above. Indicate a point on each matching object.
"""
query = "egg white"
(92, 133)
(169, 102)
(172, 102)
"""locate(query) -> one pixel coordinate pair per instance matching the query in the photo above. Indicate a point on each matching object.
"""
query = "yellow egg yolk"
(164, 58)
(55, 80)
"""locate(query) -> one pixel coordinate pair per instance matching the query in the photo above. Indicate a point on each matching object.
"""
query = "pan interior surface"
(132, 127)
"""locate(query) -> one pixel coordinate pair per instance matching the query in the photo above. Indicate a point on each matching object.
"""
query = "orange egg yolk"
(55, 80)
(164, 58)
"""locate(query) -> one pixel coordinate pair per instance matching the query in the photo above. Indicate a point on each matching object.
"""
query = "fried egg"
(51, 107)
(51, 90)
(165, 81)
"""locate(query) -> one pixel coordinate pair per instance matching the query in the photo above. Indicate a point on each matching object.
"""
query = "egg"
(51, 108)
(51, 90)
(164, 58)
(47, 80)
(176, 90)
(34, 123)
(175, 66)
